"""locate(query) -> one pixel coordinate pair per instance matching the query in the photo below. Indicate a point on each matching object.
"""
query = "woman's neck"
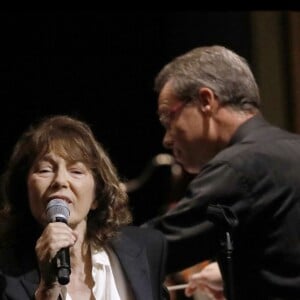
(80, 252)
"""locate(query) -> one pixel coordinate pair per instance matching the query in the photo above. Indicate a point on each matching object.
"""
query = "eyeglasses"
(167, 117)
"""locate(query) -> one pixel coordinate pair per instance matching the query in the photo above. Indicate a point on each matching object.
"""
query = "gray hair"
(227, 74)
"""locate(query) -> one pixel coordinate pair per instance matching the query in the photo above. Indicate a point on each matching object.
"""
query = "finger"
(189, 291)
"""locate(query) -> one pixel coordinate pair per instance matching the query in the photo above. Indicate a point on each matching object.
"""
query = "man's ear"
(207, 100)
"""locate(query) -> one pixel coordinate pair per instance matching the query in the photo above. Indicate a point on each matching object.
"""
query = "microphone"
(58, 211)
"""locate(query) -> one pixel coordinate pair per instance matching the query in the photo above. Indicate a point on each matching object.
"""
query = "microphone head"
(57, 209)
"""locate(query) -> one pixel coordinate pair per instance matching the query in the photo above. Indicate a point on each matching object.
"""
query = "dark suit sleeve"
(162, 268)
(13, 288)
(191, 236)
(157, 254)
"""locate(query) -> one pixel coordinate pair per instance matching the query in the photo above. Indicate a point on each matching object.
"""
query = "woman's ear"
(94, 205)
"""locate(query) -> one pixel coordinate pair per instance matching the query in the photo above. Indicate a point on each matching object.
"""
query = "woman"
(61, 159)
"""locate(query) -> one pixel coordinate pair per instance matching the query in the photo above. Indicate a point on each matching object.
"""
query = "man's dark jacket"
(257, 178)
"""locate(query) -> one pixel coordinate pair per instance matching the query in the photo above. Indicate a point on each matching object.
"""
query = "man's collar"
(250, 125)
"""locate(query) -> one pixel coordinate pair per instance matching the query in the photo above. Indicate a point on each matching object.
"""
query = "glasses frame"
(166, 118)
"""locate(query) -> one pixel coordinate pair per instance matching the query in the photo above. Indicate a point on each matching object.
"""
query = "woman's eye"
(78, 168)
(76, 171)
(44, 170)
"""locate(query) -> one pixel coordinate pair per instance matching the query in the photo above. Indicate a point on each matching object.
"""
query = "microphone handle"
(63, 266)
(62, 261)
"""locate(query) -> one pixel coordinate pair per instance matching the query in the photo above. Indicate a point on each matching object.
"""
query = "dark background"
(100, 66)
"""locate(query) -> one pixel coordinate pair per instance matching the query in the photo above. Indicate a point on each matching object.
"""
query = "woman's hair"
(227, 74)
(73, 140)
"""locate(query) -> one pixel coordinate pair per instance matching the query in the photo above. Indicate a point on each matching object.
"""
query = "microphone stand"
(225, 220)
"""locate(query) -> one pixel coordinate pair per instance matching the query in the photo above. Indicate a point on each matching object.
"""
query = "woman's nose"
(60, 179)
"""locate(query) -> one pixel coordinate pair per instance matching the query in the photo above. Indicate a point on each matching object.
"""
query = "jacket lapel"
(134, 261)
(30, 281)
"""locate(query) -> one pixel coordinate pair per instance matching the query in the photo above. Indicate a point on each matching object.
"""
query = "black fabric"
(258, 178)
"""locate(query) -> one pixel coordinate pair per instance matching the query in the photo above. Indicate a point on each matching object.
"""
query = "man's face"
(189, 132)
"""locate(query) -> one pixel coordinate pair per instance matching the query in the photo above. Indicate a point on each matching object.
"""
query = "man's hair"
(227, 74)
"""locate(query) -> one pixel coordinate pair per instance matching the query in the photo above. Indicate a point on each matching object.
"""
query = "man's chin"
(188, 167)
(191, 169)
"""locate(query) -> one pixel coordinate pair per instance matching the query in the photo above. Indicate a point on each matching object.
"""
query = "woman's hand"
(55, 236)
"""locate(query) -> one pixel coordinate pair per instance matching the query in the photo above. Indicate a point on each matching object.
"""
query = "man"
(248, 173)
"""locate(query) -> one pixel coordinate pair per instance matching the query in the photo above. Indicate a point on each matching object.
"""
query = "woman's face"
(53, 177)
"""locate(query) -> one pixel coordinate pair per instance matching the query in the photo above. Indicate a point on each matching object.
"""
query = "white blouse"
(109, 278)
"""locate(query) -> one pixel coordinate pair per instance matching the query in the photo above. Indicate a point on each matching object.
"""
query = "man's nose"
(167, 140)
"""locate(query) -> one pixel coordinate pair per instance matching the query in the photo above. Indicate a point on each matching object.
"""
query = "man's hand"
(208, 281)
